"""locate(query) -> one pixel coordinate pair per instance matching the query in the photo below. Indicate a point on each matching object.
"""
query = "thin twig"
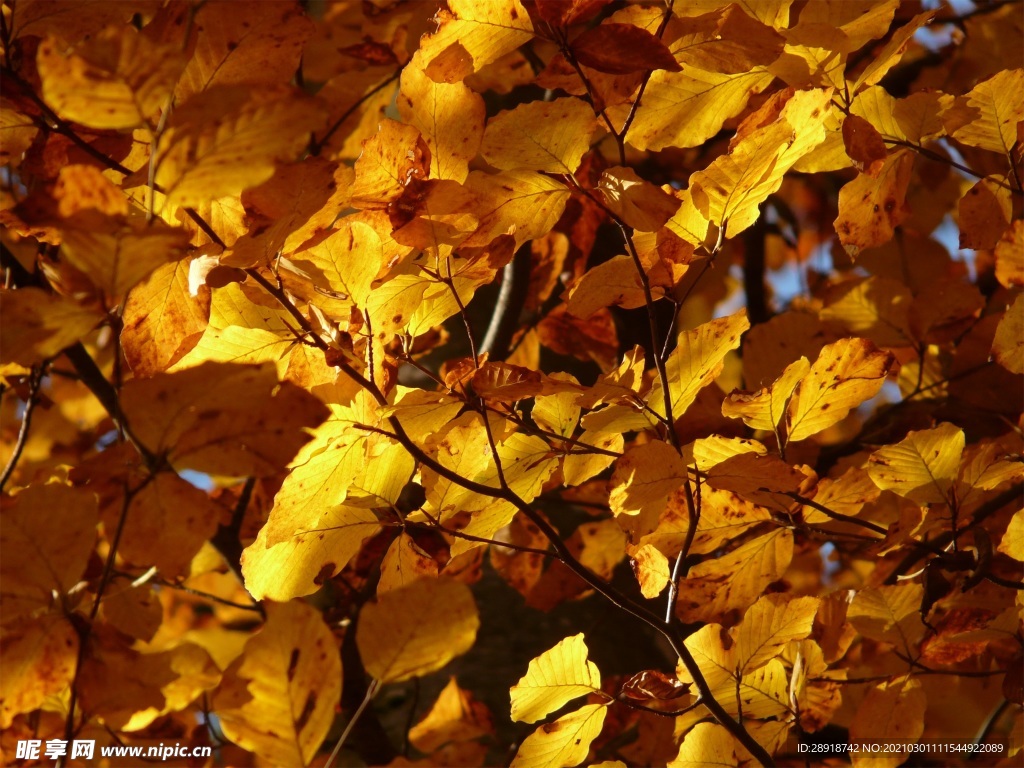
(371, 691)
(35, 379)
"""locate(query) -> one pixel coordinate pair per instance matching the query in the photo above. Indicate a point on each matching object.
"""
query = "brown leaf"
(864, 145)
(622, 48)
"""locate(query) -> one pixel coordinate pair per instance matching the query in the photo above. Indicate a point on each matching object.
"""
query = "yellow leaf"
(115, 256)
(35, 325)
(393, 157)
(261, 47)
(845, 374)
(697, 361)
(222, 142)
(685, 109)
(580, 467)
(17, 132)
(553, 679)
(612, 283)
(278, 699)
(645, 477)
(162, 320)
(303, 560)
(643, 206)
(526, 461)
(734, 581)
(707, 744)
(688, 222)
(765, 409)
(456, 716)
(870, 209)
(471, 34)
(522, 203)
(48, 533)
(652, 570)
(449, 116)
(548, 136)
(922, 466)
(762, 479)
(349, 259)
(889, 614)
(403, 563)
(1013, 540)
(772, 622)
(1008, 344)
(119, 79)
(565, 742)
(891, 712)
(559, 412)
(730, 190)
(876, 308)
(892, 52)
(224, 419)
(413, 631)
(984, 213)
(993, 110)
(709, 452)
(39, 660)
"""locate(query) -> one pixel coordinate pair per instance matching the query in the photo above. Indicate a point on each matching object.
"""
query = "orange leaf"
(622, 48)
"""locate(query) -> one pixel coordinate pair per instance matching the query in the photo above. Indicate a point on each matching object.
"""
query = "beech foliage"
(332, 333)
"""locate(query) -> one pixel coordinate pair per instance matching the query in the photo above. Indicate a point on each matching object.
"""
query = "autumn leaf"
(555, 678)
(922, 467)
(415, 630)
(871, 208)
(45, 325)
(564, 742)
(455, 716)
(520, 138)
(891, 711)
(622, 48)
(472, 34)
(119, 79)
(845, 374)
(278, 697)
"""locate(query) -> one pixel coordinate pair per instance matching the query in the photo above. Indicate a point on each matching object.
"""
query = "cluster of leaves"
(314, 317)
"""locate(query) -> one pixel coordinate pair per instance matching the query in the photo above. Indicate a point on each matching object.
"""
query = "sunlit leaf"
(278, 698)
(564, 742)
(922, 467)
(416, 630)
(555, 678)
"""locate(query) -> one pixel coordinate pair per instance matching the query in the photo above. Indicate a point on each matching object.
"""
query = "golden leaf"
(871, 208)
(845, 374)
(991, 113)
(553, 679)
(730, 190)
(455, 716)
(764, 409)
(403, 563)
(1008, 344)
(612, 283)
(118, 79)
(708, 743)
(565, 742)
(35, 325)
(892, 712)
(49, 531)
(39, 661)
(697, 361)
(278, 698)
(639, 203)
(415, 630)
(162, 320)
(644, 478)
(890, 614)
(234, 420)
(222, 142)
(922, 466)
(771, 623)
(548, 136)
(685, 109)
(449, 116)
(716, 588)
(1013, 540)
(471, 34)
(303, 560)
(652, 570)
